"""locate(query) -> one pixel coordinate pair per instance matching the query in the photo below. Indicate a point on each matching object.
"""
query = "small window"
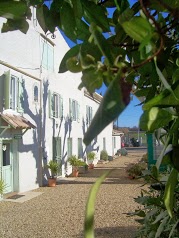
(56, 105)
(36, 93)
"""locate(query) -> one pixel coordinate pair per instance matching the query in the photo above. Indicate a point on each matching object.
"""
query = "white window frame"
(47, 49)
(55, 105)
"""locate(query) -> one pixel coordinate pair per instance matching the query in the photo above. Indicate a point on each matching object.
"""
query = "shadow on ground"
(112, 232)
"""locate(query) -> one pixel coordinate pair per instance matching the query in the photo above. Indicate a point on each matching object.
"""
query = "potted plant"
(91, 157)
(82, 167)
(53, 166)
(74, 162)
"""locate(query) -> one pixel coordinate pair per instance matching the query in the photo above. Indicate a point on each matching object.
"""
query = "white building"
(57, 113)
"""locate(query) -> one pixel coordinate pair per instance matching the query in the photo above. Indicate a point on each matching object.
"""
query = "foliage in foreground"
(135, 48)
(152, 213)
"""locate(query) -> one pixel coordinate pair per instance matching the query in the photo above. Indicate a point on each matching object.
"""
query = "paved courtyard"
(59, 212)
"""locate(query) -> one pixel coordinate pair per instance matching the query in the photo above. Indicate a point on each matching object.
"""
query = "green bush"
(53, 166)
(74, 161)
(104, 155)
(91, 156)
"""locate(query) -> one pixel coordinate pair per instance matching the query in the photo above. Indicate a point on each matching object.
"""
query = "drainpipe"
(40, 139)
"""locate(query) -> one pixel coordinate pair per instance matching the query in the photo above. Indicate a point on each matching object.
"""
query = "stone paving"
(59, 212)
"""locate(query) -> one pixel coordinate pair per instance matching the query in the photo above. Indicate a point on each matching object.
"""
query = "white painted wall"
(22, 51)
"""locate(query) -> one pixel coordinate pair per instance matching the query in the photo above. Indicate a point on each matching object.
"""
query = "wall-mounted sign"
(18, 136)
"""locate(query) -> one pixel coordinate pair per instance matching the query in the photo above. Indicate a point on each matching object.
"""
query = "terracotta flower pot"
(52, 182)
(75, 173)
(91, 166)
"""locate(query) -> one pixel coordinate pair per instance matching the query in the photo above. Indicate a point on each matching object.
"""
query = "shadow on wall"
(40, 121)
(92, 146)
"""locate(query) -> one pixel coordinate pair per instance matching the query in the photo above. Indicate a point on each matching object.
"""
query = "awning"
(17, 121)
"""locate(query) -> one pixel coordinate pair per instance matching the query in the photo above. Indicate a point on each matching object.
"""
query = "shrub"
(136, 169)
(91, 156)
(104, 155)
(2, 187)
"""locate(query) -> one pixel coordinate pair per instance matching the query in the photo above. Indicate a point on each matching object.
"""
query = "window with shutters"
(74, 110)
(47, 54)
(56, 105)
(89, 114)
(69, 147)
(13, 92)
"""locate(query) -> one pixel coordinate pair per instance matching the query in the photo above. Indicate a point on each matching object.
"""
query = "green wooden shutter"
(87, 119)
(78, 112)
(60, 106)
(69, 147)
(54, 148)
(7, 89)
(70, 108)
(57, 152)
(20, 98)
(50, 104)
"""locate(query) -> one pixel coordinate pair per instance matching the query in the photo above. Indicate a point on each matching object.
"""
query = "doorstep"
(20, 197)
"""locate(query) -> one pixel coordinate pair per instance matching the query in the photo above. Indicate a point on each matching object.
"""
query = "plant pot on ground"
(91, 156)
(53, 166)
(77, 165)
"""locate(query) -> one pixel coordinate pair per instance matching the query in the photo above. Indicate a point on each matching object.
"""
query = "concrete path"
(59, 212)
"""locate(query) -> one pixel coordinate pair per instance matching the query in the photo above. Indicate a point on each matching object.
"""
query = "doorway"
(7, 166)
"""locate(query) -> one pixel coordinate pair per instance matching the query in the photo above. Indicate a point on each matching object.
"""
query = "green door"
(57, 153)
(7, 167)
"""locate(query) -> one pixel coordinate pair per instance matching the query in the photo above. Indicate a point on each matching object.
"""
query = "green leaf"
(154, 118)
(90, 207)
(71, 53)
(13, 9)
(101, 42)
(161, 227)
(165, 98)
(112, 104)
(161, 216)
(40, 13)
(164, 81)
(175, 75)
(96, 14)
(138, 28)
(169, 192)
(68, 23)
(173, 229)
(73, 64)
(92, 79)
(12, 25)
